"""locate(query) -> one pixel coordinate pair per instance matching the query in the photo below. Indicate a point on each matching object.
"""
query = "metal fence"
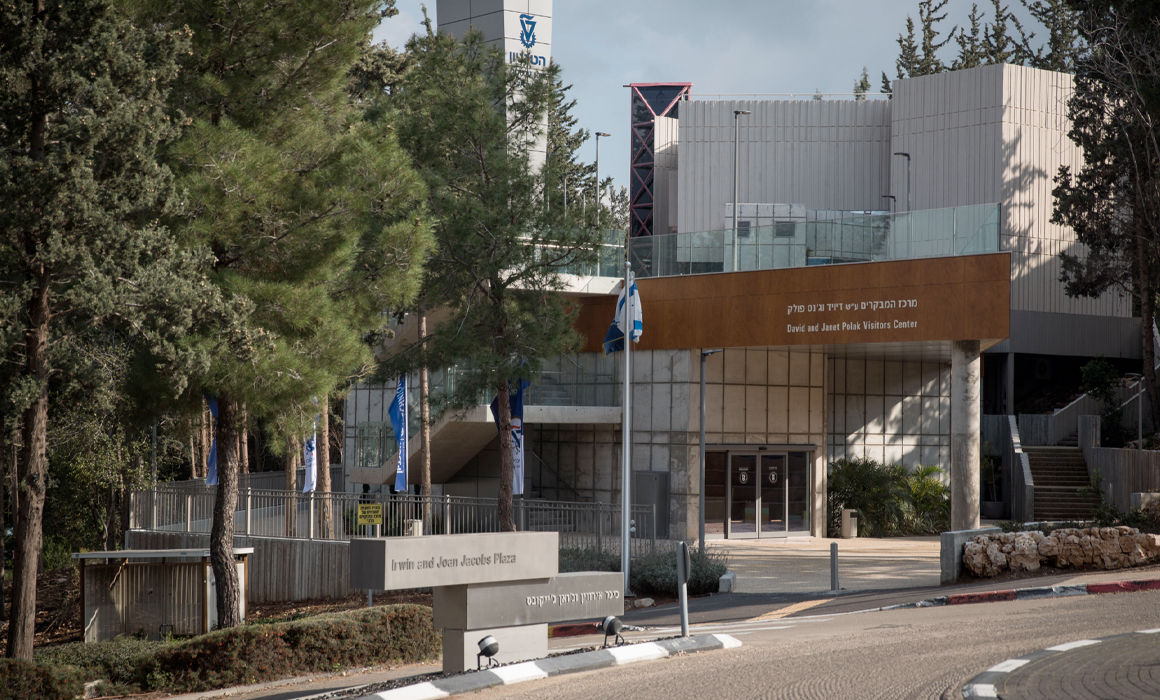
(334, 516)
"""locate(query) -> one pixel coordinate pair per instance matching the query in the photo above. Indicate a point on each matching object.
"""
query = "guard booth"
(152, 592)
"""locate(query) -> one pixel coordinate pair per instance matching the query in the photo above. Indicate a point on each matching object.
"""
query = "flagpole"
(626, 422)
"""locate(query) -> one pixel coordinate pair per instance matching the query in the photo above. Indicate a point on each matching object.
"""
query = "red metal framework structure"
(649, 101)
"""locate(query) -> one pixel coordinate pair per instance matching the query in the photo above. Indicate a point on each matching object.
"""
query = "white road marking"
(1157, 630)
(1073, 645)
(1008, 666)
(984, 690)
(419, 691)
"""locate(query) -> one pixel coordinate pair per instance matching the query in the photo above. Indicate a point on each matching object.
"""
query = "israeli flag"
(614, 339)
(211, 462)
(310, 481)
(399, 422)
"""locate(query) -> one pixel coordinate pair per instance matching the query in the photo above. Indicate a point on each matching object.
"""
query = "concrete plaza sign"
(503, 584)
(395, 563)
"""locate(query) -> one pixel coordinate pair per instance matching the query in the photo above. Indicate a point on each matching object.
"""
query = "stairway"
(1059, 473)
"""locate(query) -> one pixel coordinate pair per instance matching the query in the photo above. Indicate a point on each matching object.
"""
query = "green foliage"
(889, 499)
(1100, 380)
(862, 85)
(654, 574)
(22, 680)
(57, 553)
(255, 653)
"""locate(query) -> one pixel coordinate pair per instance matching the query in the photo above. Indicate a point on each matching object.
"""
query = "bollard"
(683, 566)
(833, 566)
(370, 598)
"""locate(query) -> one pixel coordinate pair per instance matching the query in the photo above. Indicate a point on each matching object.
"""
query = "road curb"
(1038, 593)
(557, 666)
(983, 685)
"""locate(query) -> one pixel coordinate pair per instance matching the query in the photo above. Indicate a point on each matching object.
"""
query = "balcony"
(929, 233)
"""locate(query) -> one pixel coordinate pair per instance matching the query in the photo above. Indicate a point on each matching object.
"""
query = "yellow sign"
(370, 514)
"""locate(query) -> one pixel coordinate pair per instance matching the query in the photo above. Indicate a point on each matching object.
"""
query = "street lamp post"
(598, 198)
(909, 203)
(1139, 431)
(736, 171)
(701, 490)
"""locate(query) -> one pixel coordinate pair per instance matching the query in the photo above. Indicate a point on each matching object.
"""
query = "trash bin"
(413, 528)
(849, 523)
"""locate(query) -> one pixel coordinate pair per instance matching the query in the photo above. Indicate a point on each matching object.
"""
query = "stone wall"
(1080, 548)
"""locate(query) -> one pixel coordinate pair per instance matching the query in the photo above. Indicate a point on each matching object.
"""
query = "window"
(373, 441)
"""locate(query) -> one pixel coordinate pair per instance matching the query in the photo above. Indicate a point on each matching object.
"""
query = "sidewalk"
(802, 565)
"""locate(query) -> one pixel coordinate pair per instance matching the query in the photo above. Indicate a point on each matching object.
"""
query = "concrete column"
(965, 421)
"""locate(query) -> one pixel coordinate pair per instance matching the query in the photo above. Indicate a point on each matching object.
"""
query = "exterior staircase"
(1059, 473)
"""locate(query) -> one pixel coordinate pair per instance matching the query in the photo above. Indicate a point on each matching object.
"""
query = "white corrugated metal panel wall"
(825, 154)
(997, 134)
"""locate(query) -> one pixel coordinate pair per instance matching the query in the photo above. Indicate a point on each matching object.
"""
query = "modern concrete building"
(852, 324)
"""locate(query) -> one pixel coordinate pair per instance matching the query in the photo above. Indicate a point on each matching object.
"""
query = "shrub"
(24, 680)
(258, 653)
(890, 500)
(655, 574)
(1101, 379)
(253, 653)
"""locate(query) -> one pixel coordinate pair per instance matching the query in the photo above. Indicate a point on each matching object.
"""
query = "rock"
(1025, 554)
(644, 602)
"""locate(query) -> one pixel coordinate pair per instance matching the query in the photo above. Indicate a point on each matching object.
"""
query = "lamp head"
(706, 353)
(601, 133)
(488, 646)
(739, 112)
(900, 153)
(611, 625)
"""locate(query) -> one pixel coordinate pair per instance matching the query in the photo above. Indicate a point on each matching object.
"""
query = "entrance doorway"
(765, 494)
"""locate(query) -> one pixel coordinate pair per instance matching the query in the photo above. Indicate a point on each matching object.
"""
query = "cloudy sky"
(728, 46)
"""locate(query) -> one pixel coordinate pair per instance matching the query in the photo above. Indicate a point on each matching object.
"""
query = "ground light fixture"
(489, 647)
(611, 626)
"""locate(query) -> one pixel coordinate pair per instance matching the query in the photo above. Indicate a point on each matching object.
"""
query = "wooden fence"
(1121, 472)
(280, 569)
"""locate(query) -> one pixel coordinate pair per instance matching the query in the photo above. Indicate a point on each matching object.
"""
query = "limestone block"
(1025, 554)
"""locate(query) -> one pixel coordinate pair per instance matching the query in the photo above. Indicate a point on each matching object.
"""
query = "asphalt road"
(915, 653)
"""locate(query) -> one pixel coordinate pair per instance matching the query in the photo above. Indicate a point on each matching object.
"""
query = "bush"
(1101, 379)
(655, 574)
(890, 500)
(256, 653)
(24, 680)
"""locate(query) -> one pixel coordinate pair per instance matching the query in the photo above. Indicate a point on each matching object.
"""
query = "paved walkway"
(802, 565)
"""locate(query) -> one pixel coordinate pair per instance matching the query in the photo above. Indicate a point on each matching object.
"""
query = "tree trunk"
(206, 438)
(192, 453)
(221, 538)
(3, 515)
(245, 440)
(291, 486)
(323, 452)
(1147, 314)
(507, 467)
(425, 430)
(31, 476)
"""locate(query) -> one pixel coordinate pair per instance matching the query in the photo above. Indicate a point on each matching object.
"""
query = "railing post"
(310, 532)
(654, 530)
(153, 515)
(599, 529)
(189, 512)
(249, 498)
(446, 514)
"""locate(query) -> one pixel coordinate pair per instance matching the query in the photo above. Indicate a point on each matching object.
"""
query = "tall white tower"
(522, 29)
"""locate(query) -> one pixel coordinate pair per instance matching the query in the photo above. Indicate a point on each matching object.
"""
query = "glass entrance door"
(768, 494)
(743, 500)
(773, 514)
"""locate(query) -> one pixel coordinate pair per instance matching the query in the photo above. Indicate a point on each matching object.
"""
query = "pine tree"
(971, 50)
(565, 138)
(1113, 201)
(500, 247)
(1063, 46)
(862, 85)
(84, 111)
(999, 45)
(907, 63)
(312, 213)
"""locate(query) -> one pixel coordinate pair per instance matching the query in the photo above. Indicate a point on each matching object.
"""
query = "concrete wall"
(890, 411)
(824, 154)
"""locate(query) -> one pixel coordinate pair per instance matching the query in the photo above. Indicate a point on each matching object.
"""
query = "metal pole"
(736, 174)
(701, 478)
(154, 451)
(1140, 436)
(834, 566)
(565, 196)
(683, 585)
(909, 202)
(626, 423)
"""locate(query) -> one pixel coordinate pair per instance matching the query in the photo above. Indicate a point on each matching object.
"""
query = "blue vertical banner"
(399, 422)
(211, 464)
(310, 458)
(516, 402)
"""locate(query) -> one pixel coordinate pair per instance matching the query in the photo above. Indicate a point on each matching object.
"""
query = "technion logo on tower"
(528, 35)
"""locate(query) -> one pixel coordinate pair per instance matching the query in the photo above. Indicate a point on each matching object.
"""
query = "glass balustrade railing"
(921, 234)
